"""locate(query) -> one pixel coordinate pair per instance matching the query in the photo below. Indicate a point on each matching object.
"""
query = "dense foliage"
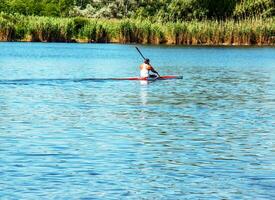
(34, 7)
(211, 32)
(156, 10)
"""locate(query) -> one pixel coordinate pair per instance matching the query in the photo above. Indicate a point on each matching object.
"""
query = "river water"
(208, 136)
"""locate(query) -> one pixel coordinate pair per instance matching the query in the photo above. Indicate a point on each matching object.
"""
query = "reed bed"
(209, 32)
(49, 29)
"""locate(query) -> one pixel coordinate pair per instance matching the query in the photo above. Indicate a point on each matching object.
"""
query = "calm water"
(208, 136)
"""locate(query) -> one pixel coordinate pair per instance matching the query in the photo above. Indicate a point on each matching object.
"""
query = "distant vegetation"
(211, 32)
(156, 10)
(139, 21)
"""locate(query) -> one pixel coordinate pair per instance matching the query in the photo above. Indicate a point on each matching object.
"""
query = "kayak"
(136, 78)
(29, 81)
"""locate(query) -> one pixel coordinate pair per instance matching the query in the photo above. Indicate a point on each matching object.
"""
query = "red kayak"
(146, 79)
(28, 81)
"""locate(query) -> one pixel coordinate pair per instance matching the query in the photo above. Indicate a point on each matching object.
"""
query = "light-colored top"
(144, 70)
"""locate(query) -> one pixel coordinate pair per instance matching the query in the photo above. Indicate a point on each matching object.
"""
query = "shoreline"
(163, 44)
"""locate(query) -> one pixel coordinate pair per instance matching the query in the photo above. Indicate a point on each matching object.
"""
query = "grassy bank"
(50, 29)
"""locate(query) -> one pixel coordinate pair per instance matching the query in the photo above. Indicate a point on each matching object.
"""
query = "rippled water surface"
(208, 136)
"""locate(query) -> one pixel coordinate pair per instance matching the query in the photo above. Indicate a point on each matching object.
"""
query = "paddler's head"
(147, 61)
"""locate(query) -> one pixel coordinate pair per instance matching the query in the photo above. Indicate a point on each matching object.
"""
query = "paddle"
(145, 59)
(140, 53)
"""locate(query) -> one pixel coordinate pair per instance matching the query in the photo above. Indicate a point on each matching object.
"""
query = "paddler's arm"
(154, 71)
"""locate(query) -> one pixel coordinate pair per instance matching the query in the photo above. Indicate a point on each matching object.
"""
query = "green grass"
(208, 32)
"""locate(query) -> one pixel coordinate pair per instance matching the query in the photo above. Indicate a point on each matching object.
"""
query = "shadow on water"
(51, 81)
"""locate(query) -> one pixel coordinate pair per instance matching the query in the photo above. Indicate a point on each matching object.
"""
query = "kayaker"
(146, 68)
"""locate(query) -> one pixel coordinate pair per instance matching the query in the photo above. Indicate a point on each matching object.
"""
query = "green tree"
(65, 6)
(50, 8)
(218, 9)
(255, 8)
(3, 5)
(180, 10)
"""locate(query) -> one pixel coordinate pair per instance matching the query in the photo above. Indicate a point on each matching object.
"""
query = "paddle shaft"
(140, 53)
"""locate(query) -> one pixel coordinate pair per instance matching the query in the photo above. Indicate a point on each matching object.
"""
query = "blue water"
(208, 136)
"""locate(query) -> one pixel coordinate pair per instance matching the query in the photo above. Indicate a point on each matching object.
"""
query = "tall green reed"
(254, 31)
